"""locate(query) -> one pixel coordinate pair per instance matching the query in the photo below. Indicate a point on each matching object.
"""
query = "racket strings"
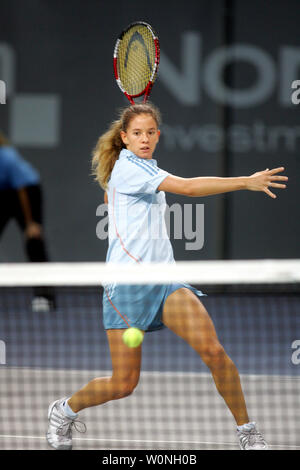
(136, 59)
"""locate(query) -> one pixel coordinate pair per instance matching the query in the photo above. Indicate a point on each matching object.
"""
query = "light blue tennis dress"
(137, 234)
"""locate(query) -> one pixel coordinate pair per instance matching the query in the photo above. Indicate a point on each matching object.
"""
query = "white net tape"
(200, 272)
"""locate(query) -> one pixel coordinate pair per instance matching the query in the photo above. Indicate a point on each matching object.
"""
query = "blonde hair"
(110, 144)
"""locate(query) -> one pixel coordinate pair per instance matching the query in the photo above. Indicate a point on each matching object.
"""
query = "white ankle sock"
(246, 426)
(67, 410)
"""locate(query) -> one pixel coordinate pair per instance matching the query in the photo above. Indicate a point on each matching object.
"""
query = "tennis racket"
(136, 60)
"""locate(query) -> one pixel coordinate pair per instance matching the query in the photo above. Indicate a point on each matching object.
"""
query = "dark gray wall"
(56, 58)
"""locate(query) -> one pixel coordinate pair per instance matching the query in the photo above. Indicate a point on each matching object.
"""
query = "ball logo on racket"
(138, 46)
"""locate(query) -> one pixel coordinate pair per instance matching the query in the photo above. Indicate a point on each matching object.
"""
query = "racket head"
(136, 60)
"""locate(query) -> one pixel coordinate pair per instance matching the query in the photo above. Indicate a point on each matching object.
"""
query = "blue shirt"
(137, 228)
(15, 172)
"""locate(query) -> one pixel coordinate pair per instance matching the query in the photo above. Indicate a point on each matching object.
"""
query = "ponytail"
(106, 153)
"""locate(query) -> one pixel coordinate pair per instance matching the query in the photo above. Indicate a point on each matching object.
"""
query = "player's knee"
(213, 354)
(125, 387)
(124, 390)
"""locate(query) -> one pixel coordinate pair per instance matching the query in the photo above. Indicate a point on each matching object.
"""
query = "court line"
(139, 441)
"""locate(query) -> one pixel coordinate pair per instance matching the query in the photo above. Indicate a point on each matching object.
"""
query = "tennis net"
(50, 352)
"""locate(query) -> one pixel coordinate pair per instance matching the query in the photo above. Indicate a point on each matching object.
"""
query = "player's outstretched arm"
(208, 186)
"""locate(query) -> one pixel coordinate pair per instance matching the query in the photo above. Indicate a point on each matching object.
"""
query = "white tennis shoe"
(59, 434)
(250, 438)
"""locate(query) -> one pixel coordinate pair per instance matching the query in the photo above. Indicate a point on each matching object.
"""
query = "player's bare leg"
(62, 414)
(186, 316)
(126, 364)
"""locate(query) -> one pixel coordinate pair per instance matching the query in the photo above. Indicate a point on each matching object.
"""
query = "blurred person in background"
(21, 199)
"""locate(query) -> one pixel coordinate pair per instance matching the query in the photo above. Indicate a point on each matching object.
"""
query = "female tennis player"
(135, 190)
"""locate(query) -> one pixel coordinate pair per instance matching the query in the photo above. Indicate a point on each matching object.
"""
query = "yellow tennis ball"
(133, 337)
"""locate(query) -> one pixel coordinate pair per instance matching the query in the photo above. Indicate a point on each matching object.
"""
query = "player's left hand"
(263, 180)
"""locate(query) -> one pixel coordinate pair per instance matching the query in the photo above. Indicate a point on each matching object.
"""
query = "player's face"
(141, 136)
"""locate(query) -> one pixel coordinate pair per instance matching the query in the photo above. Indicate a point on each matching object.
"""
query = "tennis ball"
(133, 337)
